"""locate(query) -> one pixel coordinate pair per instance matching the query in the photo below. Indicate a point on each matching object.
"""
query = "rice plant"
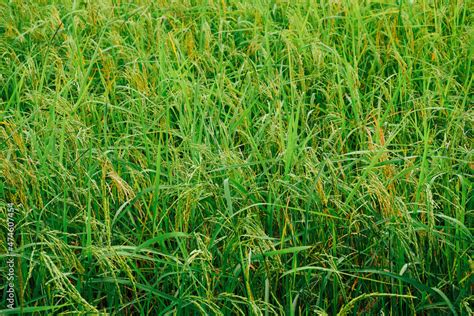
(224, 157)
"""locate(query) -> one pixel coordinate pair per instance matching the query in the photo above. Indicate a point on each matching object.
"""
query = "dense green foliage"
(238, 157)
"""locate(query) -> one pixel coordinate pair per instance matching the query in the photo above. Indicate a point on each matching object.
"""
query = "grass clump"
(238, 157)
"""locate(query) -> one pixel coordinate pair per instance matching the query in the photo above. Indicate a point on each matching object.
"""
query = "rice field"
(224, 157)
